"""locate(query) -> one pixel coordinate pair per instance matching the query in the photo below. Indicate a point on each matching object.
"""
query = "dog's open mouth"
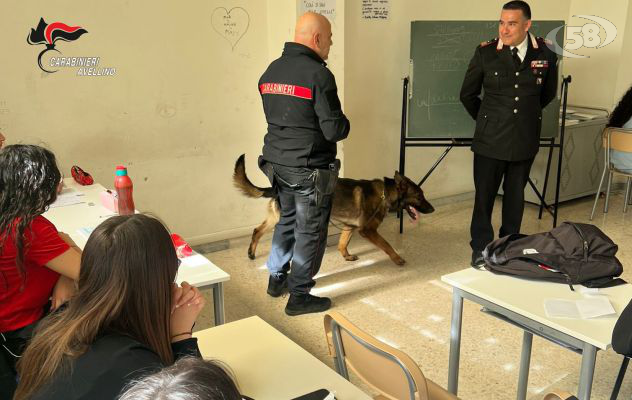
(412, 213)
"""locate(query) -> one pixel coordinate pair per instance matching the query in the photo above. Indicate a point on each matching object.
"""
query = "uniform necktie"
(516, 58)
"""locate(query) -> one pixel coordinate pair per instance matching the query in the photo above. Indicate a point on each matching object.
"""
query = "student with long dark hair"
(36, 261)
(128, 318)
(621, 117)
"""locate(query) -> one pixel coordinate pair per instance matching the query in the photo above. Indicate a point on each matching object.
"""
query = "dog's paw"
(351, 258)
(399, 261)
(251, 254)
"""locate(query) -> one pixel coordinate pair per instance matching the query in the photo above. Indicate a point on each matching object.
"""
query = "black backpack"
(572, 253)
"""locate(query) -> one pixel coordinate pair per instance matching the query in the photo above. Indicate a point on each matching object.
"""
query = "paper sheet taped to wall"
(324, 7)
(376, 9)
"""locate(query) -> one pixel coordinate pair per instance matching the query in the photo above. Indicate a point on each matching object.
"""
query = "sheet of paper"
(194, 261)
(588, 290)
(323, 7)
(558, 308)
(584, 116)
(85, 231)
(68, 197)
(595, 306)
(376, 9)
(586, 308)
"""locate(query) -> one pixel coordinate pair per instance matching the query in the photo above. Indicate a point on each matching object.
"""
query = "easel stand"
(450, 143)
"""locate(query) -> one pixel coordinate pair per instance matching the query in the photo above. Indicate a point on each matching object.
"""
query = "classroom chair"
(621, 140)
(559, 395)
(619, 381)
(390, 372)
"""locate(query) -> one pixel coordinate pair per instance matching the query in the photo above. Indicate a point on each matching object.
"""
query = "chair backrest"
(618, 139)
(559, 396)
(384, 368)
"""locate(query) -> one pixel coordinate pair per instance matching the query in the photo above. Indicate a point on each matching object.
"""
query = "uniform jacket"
(304, 115)
(509, 115)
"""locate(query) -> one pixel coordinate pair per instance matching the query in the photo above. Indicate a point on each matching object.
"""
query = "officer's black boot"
(276, 285)
(306, 303)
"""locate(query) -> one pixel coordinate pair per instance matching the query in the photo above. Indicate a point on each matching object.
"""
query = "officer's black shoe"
(306, 303)
(276, 285)
(478, 261)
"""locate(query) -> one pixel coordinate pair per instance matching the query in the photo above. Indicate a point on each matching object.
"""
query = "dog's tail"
(241, 181)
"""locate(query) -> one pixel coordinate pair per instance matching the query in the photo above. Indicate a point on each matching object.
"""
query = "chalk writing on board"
(324, 7)
(231, 24)
(449, 40)
(436, 100)
(376, 9)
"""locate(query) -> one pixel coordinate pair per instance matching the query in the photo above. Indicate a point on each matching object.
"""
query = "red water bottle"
(124, 189)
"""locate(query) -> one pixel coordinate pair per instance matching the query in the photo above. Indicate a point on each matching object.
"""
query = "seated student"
(36, 262)
(128, 318)
(621, 117)
(188, 378)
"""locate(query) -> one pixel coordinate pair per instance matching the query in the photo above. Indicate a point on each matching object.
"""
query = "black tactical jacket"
(300, 101)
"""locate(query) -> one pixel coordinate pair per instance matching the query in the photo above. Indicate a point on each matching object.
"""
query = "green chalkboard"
(440, 52)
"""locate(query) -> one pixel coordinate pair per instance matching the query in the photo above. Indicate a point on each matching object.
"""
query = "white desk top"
(268, 365)
(526, 297)
(196, 269)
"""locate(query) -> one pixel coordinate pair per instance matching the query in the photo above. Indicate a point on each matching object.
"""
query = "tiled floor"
(409, 308)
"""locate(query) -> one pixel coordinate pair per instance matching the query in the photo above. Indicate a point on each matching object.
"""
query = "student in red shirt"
(36, 261)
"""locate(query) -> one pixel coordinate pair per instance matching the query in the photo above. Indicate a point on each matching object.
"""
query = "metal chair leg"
(617, 384)
(627, 195)
(603, 175)
(605, 206)
(629, 191)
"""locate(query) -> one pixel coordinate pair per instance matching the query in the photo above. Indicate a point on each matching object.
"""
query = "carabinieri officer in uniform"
(305, 121)
(518, 75)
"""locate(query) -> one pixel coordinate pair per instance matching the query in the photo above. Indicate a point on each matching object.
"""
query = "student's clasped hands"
(187, 304)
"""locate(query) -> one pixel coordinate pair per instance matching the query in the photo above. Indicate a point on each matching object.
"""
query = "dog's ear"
(398, 177)
(400, 181)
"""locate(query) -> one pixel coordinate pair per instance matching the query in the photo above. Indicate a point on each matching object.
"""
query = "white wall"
(624, 75)
(181, 108)
(601, 79)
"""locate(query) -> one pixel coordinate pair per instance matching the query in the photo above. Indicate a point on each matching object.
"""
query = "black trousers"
(300, 236)
(488, 173)
(12, 345)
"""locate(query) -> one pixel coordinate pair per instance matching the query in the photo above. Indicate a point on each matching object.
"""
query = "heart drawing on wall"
(231, 24)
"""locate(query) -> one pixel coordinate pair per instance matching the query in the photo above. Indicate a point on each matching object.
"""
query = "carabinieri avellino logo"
(49, 34)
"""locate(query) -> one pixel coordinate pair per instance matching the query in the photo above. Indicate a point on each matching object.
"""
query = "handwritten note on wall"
(376, 9)
(324, 7)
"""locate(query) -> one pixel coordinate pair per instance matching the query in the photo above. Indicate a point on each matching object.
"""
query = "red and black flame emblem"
(49, 34)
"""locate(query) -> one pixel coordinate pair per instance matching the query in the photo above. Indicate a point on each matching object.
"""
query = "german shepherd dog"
(357, 205)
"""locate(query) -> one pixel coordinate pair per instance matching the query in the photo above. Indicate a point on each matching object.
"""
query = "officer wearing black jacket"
(518, 74)
(305, 120)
